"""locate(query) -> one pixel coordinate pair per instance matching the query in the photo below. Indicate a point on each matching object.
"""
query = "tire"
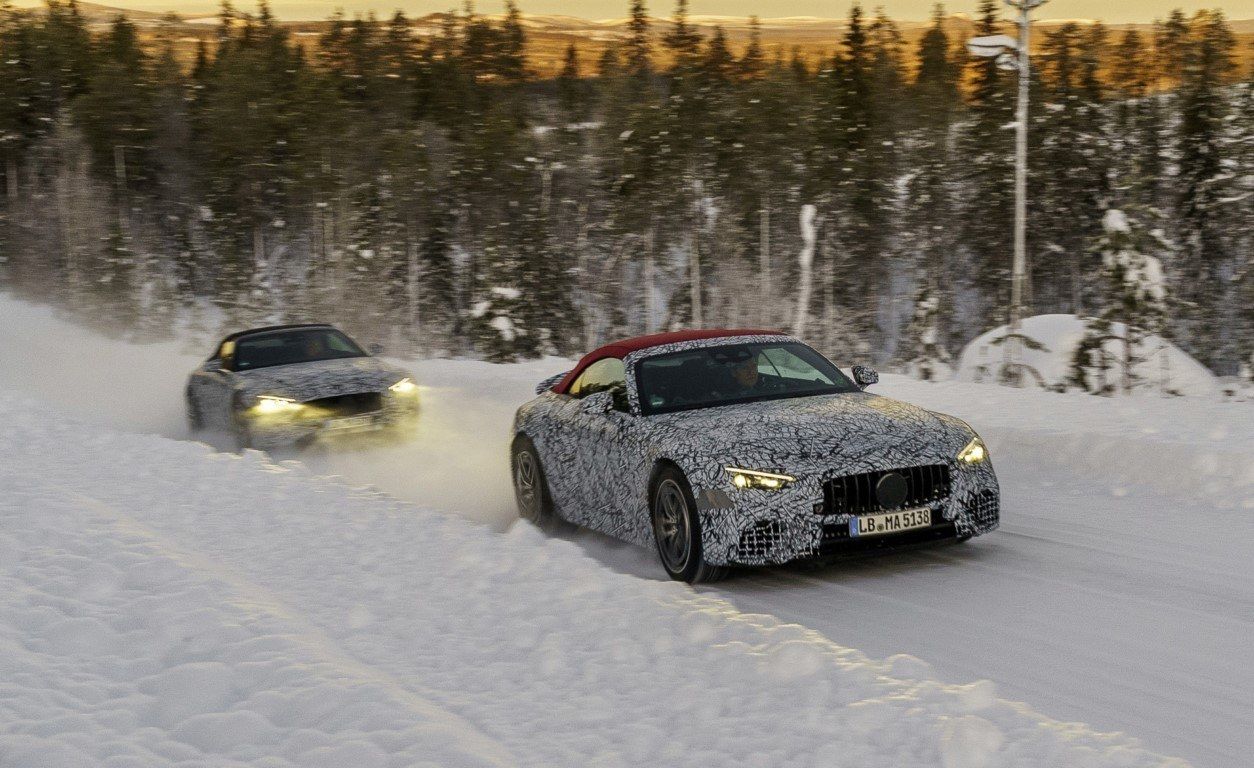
(195, 422)
(243, 437)
(531, 489)
(677, 530)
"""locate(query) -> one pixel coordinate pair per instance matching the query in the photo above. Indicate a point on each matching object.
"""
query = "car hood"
(324, 378)
(855, 431)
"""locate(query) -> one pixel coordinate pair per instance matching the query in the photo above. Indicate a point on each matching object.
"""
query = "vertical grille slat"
(856, 495)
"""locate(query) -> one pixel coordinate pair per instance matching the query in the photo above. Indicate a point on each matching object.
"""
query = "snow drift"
(1165, 367)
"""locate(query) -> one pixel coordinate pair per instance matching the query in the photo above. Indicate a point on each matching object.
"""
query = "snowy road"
(1119, 591)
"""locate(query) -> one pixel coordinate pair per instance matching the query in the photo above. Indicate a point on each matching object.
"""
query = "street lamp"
(1012, 54)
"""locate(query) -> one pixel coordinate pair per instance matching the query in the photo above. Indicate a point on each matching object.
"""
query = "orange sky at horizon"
(1121, 11)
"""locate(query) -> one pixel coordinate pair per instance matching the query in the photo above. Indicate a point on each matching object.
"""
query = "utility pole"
(1013, 54)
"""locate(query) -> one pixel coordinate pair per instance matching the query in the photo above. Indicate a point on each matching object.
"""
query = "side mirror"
(598, 403)
(550, 382)
(375, 349)
(864, 376)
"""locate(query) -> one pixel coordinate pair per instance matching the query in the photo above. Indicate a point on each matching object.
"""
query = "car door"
(602, 440)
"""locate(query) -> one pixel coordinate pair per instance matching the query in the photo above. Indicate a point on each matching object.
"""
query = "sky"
(1113, 11)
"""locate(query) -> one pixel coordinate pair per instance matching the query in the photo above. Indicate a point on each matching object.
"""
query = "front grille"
(342, 406)
(855, 494)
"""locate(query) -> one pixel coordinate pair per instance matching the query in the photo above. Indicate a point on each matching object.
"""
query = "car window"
(284, 347)
(781, 361)
(735, 373)
(602, 376)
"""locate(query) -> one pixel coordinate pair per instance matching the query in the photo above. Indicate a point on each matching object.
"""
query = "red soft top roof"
(627, 346)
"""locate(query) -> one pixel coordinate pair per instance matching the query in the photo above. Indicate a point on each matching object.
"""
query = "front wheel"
(195, 422)
(677, 530)
(530, 489)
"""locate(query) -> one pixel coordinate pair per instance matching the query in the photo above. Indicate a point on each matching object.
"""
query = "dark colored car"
(285, 385)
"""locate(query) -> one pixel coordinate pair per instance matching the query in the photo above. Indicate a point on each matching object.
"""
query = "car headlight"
(273, 404)
(752, 478)
(974, 453)
(405, 386)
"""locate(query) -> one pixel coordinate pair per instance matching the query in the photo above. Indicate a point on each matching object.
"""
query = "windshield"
(304, 345)
(736, 373)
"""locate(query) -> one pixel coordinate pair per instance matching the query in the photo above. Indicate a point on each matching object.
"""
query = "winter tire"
(677, 530)
(195, 422)
(243, 437)
(531, 491)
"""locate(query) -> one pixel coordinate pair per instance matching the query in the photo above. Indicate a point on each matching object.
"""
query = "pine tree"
(1208, 258)
(572, 92)
(1069, 175)
(1134, 308)
(930, 206)
(639, 46)
(753, 62)
(117, 111)
(987, 172)
(683, 40)
(930, 360)
(1171, 40)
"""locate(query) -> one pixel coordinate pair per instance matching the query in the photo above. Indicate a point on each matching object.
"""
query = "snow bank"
(1192, 447)
(1166, 365)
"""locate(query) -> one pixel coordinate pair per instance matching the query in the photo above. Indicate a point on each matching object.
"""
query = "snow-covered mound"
(161, 604)
(1165, 368)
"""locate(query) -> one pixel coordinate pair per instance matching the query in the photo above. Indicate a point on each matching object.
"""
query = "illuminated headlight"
(752, 478)
(272, 404)
(405, 386)
(974, 453)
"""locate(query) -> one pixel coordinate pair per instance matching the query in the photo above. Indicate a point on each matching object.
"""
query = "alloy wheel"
(672, 526)
(526, 484)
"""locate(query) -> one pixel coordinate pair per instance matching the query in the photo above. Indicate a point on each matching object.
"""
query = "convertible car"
(729, 448)
(290, 384)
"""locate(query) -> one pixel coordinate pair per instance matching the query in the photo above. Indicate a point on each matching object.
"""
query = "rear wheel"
(530, 488)
(677, 530)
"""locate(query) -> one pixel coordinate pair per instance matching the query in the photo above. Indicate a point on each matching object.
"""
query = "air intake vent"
(985, 507)
(760, 541)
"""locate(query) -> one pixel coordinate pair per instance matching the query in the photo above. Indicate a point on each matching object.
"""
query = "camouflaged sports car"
(290, 384)
(724, 448)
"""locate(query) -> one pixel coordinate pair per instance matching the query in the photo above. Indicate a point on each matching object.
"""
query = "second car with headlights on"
(290, 384)
(724, 448)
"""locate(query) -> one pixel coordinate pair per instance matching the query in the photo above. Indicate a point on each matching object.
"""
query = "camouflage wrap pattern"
(599, 466)
(219, 397)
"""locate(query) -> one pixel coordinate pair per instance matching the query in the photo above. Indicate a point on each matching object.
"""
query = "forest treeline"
(433, 194)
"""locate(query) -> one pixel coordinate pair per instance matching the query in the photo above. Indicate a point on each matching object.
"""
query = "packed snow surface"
(1164, 366)
(162, 603)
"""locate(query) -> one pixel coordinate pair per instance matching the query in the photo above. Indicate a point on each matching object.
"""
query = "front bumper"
(760, 527)
(308, 424)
